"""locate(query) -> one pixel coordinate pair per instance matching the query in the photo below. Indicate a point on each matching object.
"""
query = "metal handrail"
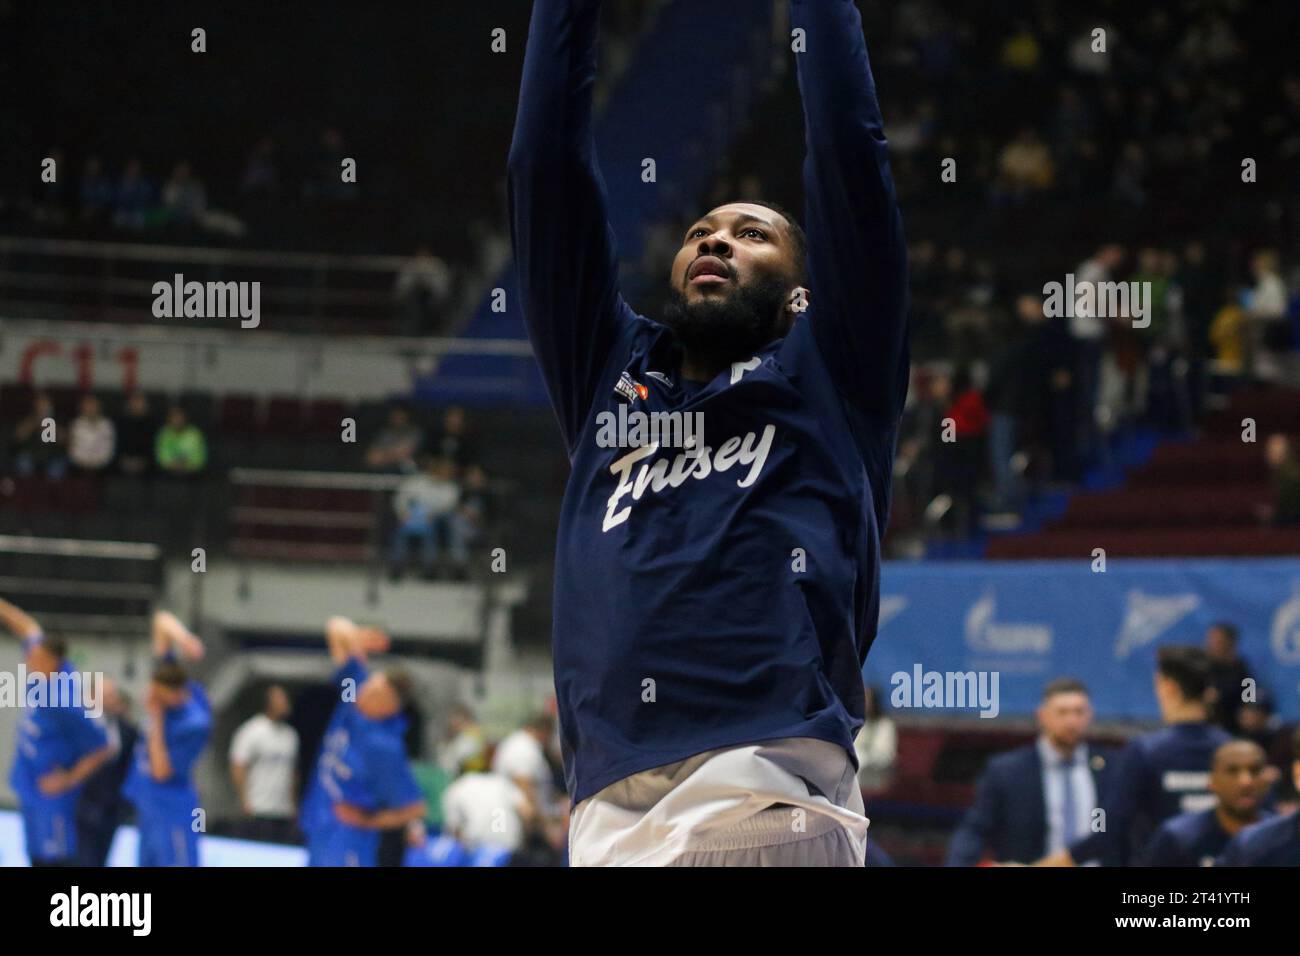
(171, 335)
(153, 252)
(73, 547)
(342, 481)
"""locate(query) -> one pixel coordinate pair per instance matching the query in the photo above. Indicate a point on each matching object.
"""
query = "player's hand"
(371, 640)
(416, 833)
(351, 815)
(55, 782)
(189, 646)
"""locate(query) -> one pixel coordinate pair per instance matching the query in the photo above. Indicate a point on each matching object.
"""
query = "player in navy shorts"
(716, 587)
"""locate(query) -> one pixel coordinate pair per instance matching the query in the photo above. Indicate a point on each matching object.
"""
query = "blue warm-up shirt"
(1274, 842)
(1189, 839)
(1158, 775)
(185, 731)
(362, 762)
(54, 736)
(704, 602)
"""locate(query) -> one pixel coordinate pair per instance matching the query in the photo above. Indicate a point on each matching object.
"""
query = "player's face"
(1065, 718)
(1237, 779)
(169, 697)
(277, 703)
(732, 247)
(41, 661)
(376, 699)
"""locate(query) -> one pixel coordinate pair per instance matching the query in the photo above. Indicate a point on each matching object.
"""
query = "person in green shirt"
(180, 448)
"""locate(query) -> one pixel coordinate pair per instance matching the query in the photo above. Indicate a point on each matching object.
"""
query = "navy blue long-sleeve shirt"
(685, 617)
(1159, 775)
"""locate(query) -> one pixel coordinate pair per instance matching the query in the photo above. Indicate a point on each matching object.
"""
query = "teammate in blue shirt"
(59, 744)
(1237, 779)
(363, 782)
(1161, 774)
(1274, 842)
(724, 594)
(178, 721)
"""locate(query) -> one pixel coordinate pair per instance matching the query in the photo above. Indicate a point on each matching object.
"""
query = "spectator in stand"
(93, 438)
(472, 513)
(422, 292)
(453, 440)
(1014, 394)
(134, 199)
(183, 197)
(1284, 475)
(1267, 333)
(261, 178)
(180, 448)
(1089, 331)
(185, 204)
(263, 768)
(466, 748)
(96, 192)
(425, 505)
(36, 443)
(1228, 336)
(876, 745)
(1024, 167)
(1229, 673)
(135, 436)
(966, 422)
(396, 446)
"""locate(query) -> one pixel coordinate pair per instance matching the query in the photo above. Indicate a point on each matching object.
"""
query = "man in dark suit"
(1039, 798)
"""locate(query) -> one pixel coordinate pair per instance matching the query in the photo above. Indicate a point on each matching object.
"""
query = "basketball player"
(1238, 783)
(59, 747)
(714, 604)
(178, 722)
(363, 783)
(1271, 842)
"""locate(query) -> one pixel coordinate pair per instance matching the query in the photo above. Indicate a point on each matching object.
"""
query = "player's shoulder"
(1187, 826)
(1267, 835)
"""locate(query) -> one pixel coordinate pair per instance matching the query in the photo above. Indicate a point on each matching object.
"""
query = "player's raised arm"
(171, 637)
(18, 622)
(347, 641)
(857, 258)
(563, 244)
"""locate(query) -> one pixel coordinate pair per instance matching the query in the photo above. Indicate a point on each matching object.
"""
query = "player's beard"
(719, 330)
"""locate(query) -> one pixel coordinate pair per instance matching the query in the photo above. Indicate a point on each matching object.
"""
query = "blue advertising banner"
(1017, 625)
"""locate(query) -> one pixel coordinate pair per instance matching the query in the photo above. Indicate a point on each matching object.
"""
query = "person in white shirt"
(521, 757)
(425, 505)
(263, 766)
(876, 745)
(486, 809)
(1266, 331)
(94, 439)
